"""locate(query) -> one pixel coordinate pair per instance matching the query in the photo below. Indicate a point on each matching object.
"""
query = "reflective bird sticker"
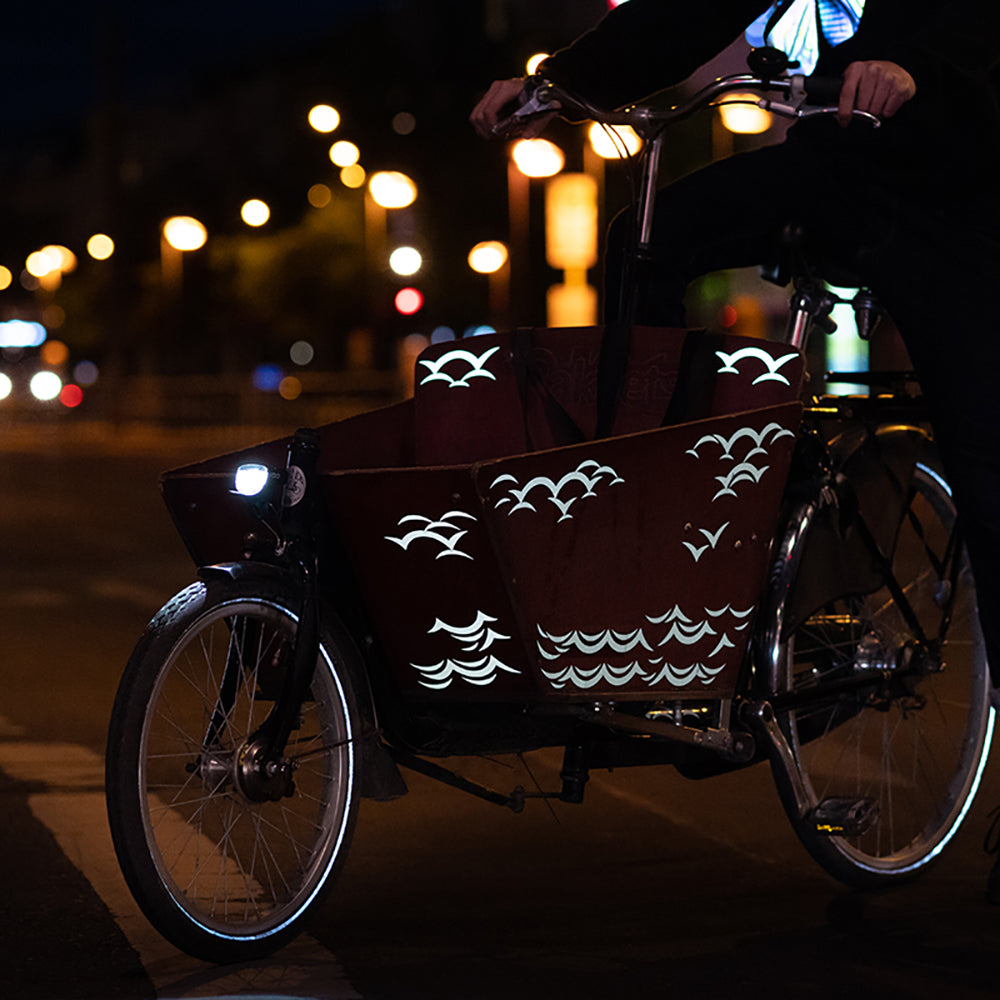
(731, 361)
(473, 361)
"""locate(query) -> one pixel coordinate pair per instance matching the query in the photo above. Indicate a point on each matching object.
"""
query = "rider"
(913, 208)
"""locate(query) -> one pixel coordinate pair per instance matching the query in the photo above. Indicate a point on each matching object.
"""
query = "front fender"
(250, 569)
(380, 777)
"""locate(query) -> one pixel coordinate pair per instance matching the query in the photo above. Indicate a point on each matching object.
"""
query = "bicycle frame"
(493, 567)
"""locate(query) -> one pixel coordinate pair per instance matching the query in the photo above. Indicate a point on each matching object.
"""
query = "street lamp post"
(529, 158)
(386, 190)
(179, 234)
(492, 259)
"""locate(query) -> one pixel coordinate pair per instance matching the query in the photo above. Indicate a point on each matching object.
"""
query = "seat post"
(811, 306)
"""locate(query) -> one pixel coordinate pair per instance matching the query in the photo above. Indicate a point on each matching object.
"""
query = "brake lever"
(801, 113)
(832, 109)
(540, 101)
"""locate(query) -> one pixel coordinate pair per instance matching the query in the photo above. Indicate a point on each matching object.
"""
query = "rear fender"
(873, 476)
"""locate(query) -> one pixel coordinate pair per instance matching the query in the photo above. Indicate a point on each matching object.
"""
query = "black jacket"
(947, 135)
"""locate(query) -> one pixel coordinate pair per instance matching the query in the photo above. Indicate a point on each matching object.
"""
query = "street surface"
(654, 887)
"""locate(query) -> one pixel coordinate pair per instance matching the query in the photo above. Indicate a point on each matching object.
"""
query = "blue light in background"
(21, 333)
(267, 378)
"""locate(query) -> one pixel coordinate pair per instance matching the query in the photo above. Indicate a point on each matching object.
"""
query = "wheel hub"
(262, 780)
(870, 654)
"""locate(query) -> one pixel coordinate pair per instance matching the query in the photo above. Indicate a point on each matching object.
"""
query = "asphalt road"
(655, 886)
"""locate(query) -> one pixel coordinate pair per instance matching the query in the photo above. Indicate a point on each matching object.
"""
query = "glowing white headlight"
(251, 479)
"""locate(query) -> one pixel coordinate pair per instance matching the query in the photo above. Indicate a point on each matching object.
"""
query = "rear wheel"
(893, 764)
(224, 857)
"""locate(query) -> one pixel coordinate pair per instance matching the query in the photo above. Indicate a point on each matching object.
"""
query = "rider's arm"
(906, 47)
(643, 46)
(638, 48)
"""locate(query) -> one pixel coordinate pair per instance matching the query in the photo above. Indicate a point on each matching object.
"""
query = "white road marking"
(72, 807)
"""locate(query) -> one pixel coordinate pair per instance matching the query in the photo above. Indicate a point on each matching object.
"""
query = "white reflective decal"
(757, 438)
(711, 540)
(587, 475)
(730, 361)
(681, 633)
(591, 643)
(475, 367)
(585, 678)
(443, 532)
(479, 672)
(476, 638)
(682, 676)
(744, 471)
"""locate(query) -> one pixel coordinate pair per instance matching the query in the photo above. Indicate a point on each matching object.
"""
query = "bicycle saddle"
(797, 261)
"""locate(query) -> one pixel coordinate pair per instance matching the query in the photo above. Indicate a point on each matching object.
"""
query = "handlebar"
(791, 96)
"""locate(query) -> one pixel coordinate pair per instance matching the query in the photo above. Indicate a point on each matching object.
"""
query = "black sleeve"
(954, 41)
(643, 46)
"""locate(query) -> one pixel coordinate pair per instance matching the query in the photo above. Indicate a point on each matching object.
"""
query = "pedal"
(845, 817)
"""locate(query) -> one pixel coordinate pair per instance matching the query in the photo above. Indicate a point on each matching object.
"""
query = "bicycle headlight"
(251, 479)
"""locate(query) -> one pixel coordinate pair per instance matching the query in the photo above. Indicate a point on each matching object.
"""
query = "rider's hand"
(876, 86)
(494, 105)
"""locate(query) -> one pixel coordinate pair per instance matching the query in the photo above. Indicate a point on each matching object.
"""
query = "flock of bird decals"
(474, 659)
(587, 475)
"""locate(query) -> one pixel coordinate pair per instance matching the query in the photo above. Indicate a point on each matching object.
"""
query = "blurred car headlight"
(45, 385)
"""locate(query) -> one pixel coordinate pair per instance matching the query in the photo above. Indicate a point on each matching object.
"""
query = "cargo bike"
(710, 570)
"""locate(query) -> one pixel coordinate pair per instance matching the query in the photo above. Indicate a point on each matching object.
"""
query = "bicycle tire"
(920, 757)
(223, 877)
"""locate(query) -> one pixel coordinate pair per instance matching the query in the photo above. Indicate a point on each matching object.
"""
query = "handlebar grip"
(823, 90)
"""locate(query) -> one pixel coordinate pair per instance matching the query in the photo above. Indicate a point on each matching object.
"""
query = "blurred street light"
(538, 157)
(64, 258)
(571, 222)
(613, 142)
(40, 264)
(535, 60)
(405, 261)
(353, 176)
(255, 212)
(488, 257)
(529, 158)
(182, 232)
(324, 118)
(45, 267)
(100, 246)
(6, 277)
(392, 189)
(319, 196)
(571, 245)
(740, 114)
(344, 153)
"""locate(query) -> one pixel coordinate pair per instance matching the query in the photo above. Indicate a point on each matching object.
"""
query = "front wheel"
(886, 727)
(225, 860)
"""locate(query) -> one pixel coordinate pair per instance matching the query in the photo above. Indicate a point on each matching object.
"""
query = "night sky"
(53, 56)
